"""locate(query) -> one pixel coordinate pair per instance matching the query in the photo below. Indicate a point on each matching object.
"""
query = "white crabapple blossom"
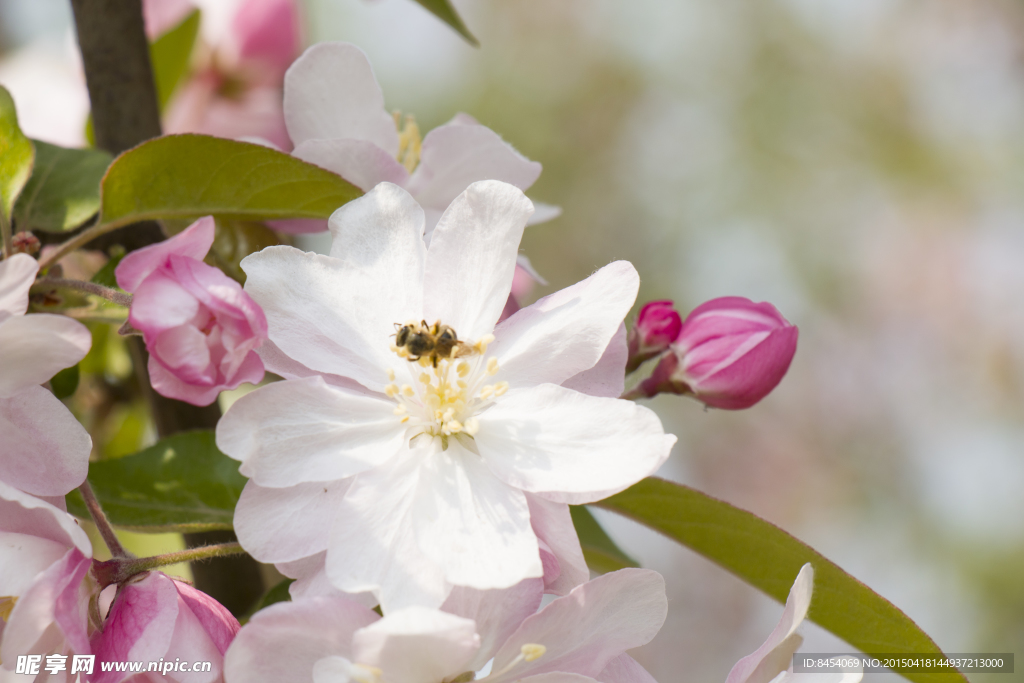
(578, 638)
(773, 661)
(45, 451)
(334, 112)
(399, 478)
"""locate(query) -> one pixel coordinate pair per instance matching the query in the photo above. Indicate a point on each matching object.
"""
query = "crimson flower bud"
(656, 327)
(730, 353)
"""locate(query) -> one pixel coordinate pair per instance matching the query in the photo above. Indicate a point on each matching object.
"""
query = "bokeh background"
(858, 163)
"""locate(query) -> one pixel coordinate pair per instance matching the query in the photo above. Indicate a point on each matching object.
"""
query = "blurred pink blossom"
(201, 329)
(730, 353)
(236, 90)
(44, 580)
(657, 326)
(45, 450)
(153, 617)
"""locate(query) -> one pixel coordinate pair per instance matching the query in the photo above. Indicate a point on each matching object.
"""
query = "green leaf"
(65, 382)
(767, 557)
(599, 550)
(171, 56)
(188, 176)
(64, 190)
(16, 154)
(443, 10)
(182, 483)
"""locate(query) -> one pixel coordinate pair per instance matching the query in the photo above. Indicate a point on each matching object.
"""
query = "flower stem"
(120, 569)
(107, 293)
(101, 521)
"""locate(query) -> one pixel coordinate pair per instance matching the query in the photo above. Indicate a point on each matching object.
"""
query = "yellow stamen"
(400, 409)
(500, 388)
(391, 371)
(407, 390)
(533, 651)
(410, 144)
(391, 390)
(462, 368)
(7, 603)
(492, 366)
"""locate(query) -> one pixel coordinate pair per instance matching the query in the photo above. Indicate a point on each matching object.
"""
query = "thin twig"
(101, 521)
(107, 293)
(120, 569)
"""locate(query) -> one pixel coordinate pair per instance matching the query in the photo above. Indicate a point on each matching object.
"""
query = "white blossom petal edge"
(438, 455)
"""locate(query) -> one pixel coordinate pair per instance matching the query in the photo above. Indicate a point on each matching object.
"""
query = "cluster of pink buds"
(728, 353)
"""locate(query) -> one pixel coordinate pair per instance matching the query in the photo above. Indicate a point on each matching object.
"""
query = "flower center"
(409, 141)
(445, 394)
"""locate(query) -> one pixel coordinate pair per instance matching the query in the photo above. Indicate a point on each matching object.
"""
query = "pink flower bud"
(656, 327)
(155, 618)
(729, 354)
(201, 329)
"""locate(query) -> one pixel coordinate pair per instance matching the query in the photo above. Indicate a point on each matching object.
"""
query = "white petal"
(360, 162)
(281, 525)
(472, 524)
(472, 257)
(17, 274)
(37, 347)
(276, 361)
(338, 315)
(544, 213)
(496, 613)
(586, 629)
(23, 557)
(302, 430)
(331, 92)
(555, 677)
(608, 377)
(334, 670)
(797, 603)
(377, 516)
(553, 524)
(284, 641)
(417, 645)
(456, 155)
(45, 450)
(567, 332)
(551, 439)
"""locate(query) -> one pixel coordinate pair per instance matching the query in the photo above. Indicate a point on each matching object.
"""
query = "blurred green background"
(858, 163)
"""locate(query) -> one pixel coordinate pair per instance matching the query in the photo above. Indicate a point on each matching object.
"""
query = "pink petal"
(17, 274)
(139, 626)
(163, 15)
(193, 242)
(497, 613)
(553, 525)
(21, 513)
(268, 33)
(162, 303)
(586, 629)
(183, 351)
(52, 598)
(217, 622)
(45, 449)
(624, 669)
(167, 384)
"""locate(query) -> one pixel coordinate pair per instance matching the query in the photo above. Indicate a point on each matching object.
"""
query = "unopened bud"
(25, 243)
(656, 327)
(729, 354)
